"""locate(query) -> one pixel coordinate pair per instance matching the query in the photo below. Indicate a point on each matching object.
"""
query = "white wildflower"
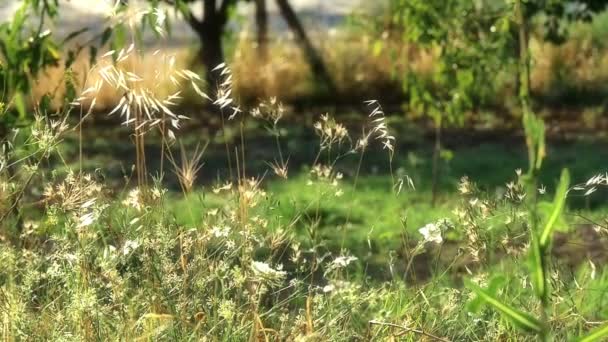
(343, 261)
(263, 271)
(129, 246)
(86, 219)
(220, 232)
(431, 233)
(133, 200)
(328, 288)
(542, 190)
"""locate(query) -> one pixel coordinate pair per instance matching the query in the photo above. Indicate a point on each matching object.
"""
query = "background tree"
(557, 14)
(24, 52)
(261, 21)
(465, 60)
(313, 57)
(555, 17)
(211, 28)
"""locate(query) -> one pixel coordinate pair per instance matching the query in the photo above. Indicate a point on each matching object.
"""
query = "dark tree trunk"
(211, 54)
(261, 21)
(210, 30)
(314, 59)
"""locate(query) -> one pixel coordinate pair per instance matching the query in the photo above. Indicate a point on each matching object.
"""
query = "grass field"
(311, 254)
(143, 206)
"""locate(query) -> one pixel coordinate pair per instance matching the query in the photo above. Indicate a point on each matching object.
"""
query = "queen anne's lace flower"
(264, 272)
(431, 233)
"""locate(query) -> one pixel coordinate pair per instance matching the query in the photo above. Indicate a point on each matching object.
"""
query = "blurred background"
(313, 53)
(448, 75)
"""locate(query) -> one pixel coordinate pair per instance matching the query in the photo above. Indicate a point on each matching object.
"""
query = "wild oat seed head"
(223, 98)
(187, 170)
(144, 94)
(379, 129)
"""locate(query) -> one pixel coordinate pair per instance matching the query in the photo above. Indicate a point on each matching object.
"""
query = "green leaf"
(534, 128)
(558, 207)
(599, 334)
(120, 37)
(18, 20)
(20, 105)
(446, 154)
(45, 104)
(541, 150)
(495, 284)
(182, 8)
(520, 319)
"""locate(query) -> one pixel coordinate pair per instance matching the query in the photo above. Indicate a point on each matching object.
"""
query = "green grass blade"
(558, 207)
(599, 334)
(541, 150)
(520, 319)
(537, 267)
(20, 105)
(494, 284)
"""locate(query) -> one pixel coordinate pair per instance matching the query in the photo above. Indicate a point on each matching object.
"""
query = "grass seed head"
(187, 170)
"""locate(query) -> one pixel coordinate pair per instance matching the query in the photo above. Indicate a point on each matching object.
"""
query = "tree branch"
(223, 13)
(314, 58)
(195, 23)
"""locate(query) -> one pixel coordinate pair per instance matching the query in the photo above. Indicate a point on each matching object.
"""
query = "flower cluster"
(80, 195)
(271, 111)
(330, 132)
(327, 175)
(264, 273)
(432, 232)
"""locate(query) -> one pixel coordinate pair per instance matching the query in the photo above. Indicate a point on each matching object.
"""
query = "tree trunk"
(314, 59)
(209, 30)
(211, 54)
(261, 21)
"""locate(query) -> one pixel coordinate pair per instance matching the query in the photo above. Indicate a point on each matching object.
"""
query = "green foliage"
(24, 53)
(534, 129)
(520, 319)
(555, 15)
(468, 41)
(598, 334)
(538, 264)
(558, 208)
